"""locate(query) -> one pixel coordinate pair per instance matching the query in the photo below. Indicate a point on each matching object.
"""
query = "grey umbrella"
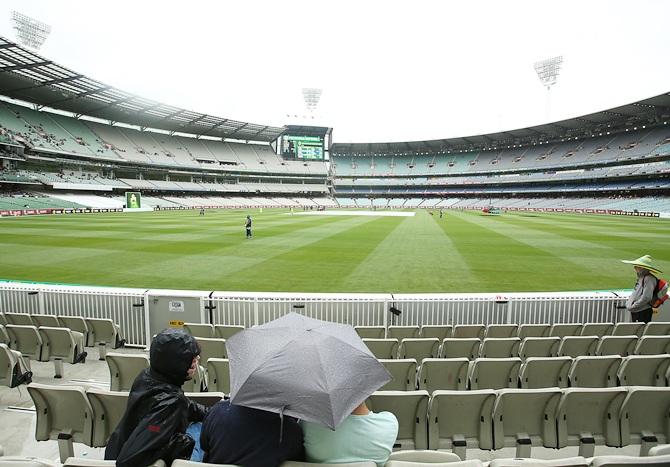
(307, 368)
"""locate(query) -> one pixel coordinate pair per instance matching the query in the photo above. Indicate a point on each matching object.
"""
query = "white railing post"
(255, 311)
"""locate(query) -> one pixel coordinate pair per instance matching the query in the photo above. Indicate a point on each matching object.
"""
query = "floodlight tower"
(311, 97)
(29, 31)
(548, 71)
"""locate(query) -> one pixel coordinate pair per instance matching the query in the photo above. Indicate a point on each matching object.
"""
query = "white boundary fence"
(128, 308)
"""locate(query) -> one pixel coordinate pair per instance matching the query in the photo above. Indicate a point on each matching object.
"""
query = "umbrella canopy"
(307, 368)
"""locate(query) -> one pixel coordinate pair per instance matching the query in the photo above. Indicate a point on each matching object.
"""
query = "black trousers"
(643, 316)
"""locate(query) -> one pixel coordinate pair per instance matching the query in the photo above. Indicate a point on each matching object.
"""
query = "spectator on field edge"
(640, 301)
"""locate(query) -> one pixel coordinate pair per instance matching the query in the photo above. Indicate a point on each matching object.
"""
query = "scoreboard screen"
(303, 147)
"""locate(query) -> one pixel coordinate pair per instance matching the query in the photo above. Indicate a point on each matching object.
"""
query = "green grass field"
(464, 252)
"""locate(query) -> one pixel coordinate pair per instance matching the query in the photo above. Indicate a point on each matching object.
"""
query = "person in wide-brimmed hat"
(639, 302)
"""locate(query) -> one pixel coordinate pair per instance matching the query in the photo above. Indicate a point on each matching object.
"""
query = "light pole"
(548, 71)
(29, 31)
(311, 97)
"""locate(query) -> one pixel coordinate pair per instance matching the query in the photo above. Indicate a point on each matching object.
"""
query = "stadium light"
(29, 32)
(311, 97)
(548, 71)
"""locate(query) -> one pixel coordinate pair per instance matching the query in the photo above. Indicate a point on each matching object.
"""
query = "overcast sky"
(389, 70)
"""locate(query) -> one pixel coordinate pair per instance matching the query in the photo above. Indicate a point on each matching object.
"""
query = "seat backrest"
(652, 345)
(540, 372)
(525, 413)
(403, 372)
(108, 409)
(494, 373)
(382, 348)
(461, 415)
(628, 329)
(199, 330)
(577, 346)
(62, 409)
(443, 374)
(645, 410)
(589, 412)
(4, 337)
(533, 330)
(539, 347)
(469, 331)
(656, 328)
(8, 361)
(57, 343)
(501, 330)
(211, 348)
(104, 330)
(411, 410)
(643, 370)
(371, 332)
(75, 323)
(419, 349)
(226, 331)
(596, 329)
(3, 320)
(47, 320)
(458, 348)
(441, 332)
(500, 347)
(25, 339)
(594, 372)
(218, 375)
(565, 329)
(402, 332)
(616, 345)
(19, 319)
(124, 368)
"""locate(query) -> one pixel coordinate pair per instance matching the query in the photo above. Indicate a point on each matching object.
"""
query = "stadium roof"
(27, 76)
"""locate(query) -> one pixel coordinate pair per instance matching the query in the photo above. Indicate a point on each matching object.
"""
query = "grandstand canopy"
(27, 76)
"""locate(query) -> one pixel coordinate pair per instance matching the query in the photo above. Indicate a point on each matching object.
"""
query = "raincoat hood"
(171, 354)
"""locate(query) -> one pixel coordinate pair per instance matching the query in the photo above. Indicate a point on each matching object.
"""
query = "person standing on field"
(639, 303)
(247, 225)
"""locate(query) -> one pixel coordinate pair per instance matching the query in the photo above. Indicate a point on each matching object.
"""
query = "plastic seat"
(469, 331)
(596, 329)
(371, 332)
(494, 373)
(565, 462)
(643, 370)
(523, 418)
(652, 345)
(124, 368)
(419, 349)
(218, 375)
(104, 331)
(621, 461)
(539, 347)
(222, 331)
(441, 332)
(12, 367)
(3, 320)
(565, 329)
(459, 348)
(628, 329)
(25, 461)
(25, 339)
(382, 348)
(500, 330)
(448, 374)
(616, 345)
(594, 372)
(645, 417)
(425, 456)
(577, 346)
(46, 320)
(296, 464)
(4, 337)
(86, 462)
(211, 348)
(208, 399)
(500, 347)
(460, 420)
(198, 383)
(199, 330)
(403, 372)
(465, 463)
(411, 410)
(657, 328)
(538, 372)
(61, 343)
(78, 324)
(533, 330)
(402, 332)
(108, 409)
(660, 450)
(19, 319)
(185, 463)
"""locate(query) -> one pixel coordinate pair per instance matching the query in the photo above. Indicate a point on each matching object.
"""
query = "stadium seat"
(565, 329)
(565, 462)
(441, 332)
(226, 331)
(207, 399)
(403, 372)
(185, 463)
(78, 324)
(25, 339)
(523, 418)
(643, 370)
(577, 346)
(19, 319)
(211, 348)
(402, 332)
(494, 373)
(458, 348)
(25, 461)
(86, 462)
(46, 320)
(500, 347)
(64, 414)
(652, 345)
(589, 417)
(294, 464)
(658, 328)
(371, 332)
(616, 345)
(425, 456)
(533, 330)
(596, 329)
(594, 372)
(199, 330)
(108, 409)
(124, 368)
(465, 463)
(469, 331)
(660, 450)
(4, 337)
(3, 320)
(382, 348)
(104, 331)
(539, 347)
(411, 410)
(460, 420)
(621, 461)
(218, 375)
(12, 367)
(645, 417)
(62, 343)
(537, 372)
(443, 374)
(418, 349)
(500, 330)
(628, 329)
(198, 383)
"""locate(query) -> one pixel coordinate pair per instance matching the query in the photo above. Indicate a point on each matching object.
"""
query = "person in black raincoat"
(158, 413)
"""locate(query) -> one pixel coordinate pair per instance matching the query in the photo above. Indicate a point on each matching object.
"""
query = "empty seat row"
(481, 331)
(461, 374)
(504, 347)
(211, 331)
